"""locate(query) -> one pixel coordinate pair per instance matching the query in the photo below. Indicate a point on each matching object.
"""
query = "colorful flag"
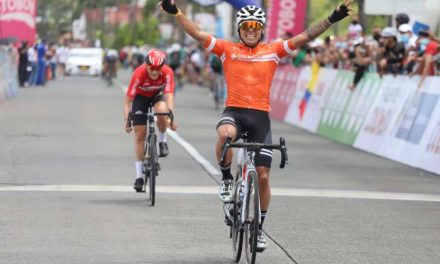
(310, 88)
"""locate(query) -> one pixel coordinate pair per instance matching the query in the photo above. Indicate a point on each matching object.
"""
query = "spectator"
(22, 64)
(361, 59)
(376, 34)
(430, 49)
(400, 19)
(52, 58)
(410, 63)
(355, 30)
(62, 54)
(41, 53)
(33, 63)
(300, 56)
(391, 53)
(407, 36)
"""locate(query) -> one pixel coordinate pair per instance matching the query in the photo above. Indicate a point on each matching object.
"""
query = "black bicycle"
(151, 164)
(243, 215)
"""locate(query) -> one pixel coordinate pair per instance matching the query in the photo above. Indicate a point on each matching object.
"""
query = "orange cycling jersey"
(248, 71)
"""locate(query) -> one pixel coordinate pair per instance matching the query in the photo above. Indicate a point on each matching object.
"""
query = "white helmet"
(251, 12)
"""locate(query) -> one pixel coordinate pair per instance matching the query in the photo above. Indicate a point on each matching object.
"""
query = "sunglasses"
(246, 25)
(155, 68)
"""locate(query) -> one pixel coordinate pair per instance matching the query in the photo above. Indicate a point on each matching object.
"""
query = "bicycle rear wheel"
(236, 228)
(153, 170)
(252, 217)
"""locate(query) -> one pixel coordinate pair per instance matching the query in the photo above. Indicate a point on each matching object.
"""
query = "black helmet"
(402, 18)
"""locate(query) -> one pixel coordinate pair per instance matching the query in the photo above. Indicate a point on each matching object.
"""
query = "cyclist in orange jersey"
(249, 67)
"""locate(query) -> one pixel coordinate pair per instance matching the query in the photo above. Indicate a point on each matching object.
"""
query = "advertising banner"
(312, 112)
(344, 111)
(429, 156)
(386, 116)
(283, 90)
(285, 17)
(415, 132)
(17, 19)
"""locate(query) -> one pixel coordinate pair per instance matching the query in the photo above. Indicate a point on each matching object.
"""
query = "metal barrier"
(8, 73)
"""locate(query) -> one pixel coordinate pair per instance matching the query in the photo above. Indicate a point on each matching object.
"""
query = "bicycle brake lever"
(283, 149)
(171, 116)
(128, 124)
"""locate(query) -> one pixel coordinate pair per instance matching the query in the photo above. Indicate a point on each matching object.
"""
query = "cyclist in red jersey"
(153, 82)
(249, 67)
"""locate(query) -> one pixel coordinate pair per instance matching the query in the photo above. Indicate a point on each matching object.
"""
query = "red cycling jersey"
(142, 84)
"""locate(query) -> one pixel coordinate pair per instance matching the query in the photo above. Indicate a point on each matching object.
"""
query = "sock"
(263, 216)
(138, 165)
(162, 136)
(226, 172)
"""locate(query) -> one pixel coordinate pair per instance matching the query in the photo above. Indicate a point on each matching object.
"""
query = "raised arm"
(188, 25)
(315, 30)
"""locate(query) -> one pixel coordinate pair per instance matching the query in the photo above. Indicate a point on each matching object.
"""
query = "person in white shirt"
(33, 64)
(355, 30)
(62, 55)
(407, 36)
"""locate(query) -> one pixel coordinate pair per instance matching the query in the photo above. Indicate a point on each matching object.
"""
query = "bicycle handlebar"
(169, 114)
(257, 146)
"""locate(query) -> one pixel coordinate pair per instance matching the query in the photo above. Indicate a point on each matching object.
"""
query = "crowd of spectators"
(389, 50)
(40, 62)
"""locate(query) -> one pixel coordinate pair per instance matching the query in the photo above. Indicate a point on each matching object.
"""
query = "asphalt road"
(66, 171)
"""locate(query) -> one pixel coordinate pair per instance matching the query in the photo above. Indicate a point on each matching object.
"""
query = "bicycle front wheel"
(153, 170)
(252, 216)
(236, 228)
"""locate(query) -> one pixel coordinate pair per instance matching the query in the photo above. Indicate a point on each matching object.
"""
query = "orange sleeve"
(215, 46)
(283, 48)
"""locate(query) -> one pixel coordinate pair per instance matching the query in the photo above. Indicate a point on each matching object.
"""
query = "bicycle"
(111, 68)
(243, 214)
(151, 164)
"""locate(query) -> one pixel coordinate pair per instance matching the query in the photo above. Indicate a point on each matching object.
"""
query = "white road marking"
(212, 190)
(187, 146)
(194, 153)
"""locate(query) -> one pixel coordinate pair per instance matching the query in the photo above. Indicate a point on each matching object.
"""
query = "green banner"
(343, 111)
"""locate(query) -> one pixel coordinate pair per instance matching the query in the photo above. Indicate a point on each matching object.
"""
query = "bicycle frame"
(246, 164)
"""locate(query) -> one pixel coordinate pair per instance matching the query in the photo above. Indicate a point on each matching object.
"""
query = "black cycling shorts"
(139, 108)
(257, 125)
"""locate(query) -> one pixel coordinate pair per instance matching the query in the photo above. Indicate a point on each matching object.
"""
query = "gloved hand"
(340, 12)
(169, 6)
